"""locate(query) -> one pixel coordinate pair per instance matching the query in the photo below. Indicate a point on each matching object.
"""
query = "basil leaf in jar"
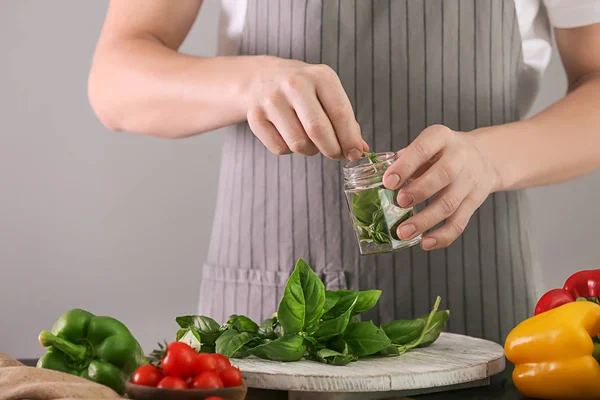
(364, 204)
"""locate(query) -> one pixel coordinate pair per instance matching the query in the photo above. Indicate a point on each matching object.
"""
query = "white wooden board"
(453, 361)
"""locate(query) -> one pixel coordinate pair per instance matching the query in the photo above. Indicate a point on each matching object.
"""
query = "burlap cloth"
(18, 382)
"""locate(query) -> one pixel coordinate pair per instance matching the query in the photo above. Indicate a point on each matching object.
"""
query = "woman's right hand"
(295, 107)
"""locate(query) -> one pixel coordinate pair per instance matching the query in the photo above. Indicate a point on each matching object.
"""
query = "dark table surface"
(499, 389)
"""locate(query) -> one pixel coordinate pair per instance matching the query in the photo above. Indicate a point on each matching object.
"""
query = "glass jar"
(373, 209)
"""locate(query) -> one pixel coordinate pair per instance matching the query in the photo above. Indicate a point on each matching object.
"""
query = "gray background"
(119, 224)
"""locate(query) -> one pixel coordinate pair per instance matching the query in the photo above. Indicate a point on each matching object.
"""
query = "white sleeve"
(573, 13)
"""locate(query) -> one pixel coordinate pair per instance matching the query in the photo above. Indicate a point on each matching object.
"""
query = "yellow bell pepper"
(553, 353)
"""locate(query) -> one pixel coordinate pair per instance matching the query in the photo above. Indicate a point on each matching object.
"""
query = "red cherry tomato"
(207, 380)
(172, 382)
(222, 362)
(147, 375)
(231, 376)
(179, 360)
(214, 398)
(204, 362)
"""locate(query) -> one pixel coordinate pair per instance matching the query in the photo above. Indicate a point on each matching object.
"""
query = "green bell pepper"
(100, 349)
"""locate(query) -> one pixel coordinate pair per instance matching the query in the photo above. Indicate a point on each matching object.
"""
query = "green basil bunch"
(315, 324)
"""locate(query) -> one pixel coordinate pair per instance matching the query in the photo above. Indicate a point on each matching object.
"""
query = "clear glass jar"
(373, 209)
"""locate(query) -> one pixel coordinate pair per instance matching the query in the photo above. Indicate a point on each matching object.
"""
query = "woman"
(304, 84)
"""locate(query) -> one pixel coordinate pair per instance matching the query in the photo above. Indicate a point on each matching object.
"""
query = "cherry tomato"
(179, 360)
(222, 362)
(207, 380)
(231, 376)
(214, 398)
(172, 382)
(147, 375)
(204, 362)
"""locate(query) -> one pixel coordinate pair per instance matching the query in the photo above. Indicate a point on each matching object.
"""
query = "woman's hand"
(446, 164)
(295, 107)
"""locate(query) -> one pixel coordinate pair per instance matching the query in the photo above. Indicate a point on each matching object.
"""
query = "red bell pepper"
(584, 285)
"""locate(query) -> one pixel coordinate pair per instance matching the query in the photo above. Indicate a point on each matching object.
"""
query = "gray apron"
(405, 65)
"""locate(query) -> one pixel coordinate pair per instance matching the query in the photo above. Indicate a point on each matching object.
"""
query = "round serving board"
(452, 362)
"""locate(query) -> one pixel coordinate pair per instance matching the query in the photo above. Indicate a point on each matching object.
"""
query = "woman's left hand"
(446, 164)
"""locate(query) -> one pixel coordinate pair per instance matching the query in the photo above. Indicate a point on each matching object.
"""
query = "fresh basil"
(207, 327)
(366, 300)
(336, 326)
(332, 357)
(266, 330)
(285, 348)
(311, 323)
(232, 342)
(438, 323)
(242, 323)
(404, 331)
(365, 339)
(303, 300)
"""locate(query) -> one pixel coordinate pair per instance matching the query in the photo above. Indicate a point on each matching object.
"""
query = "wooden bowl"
(139, 392)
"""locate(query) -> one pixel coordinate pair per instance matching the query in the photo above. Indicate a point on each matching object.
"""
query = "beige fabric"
(18, 382)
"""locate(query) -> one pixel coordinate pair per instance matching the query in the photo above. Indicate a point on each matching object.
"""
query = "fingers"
(445, 204)
(456, 224)
(282, 115)
(434, 179)
(337, 106)
(425, 147)
(266, 132)
(315, 122)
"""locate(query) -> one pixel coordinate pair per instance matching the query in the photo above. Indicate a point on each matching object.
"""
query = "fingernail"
(407, 230)
(428, 243)
(392, 181)
(405, 199)
(354, 154)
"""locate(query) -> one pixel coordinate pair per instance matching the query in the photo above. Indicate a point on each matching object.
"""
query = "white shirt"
(536, 19)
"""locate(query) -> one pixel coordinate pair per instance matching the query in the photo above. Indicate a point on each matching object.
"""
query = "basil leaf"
(339, 344)
(438, 323)
(364, 204)
(232, 341)
(242, 323)
(190, 336)
(391, 350)
(426, 329)
(366, 300)
(365, 339)
(336, 326)
(267, 329)
(404, 331)
(208, 328)
(286, 348)
(303, 300)
(331, 299)
(332, 357)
